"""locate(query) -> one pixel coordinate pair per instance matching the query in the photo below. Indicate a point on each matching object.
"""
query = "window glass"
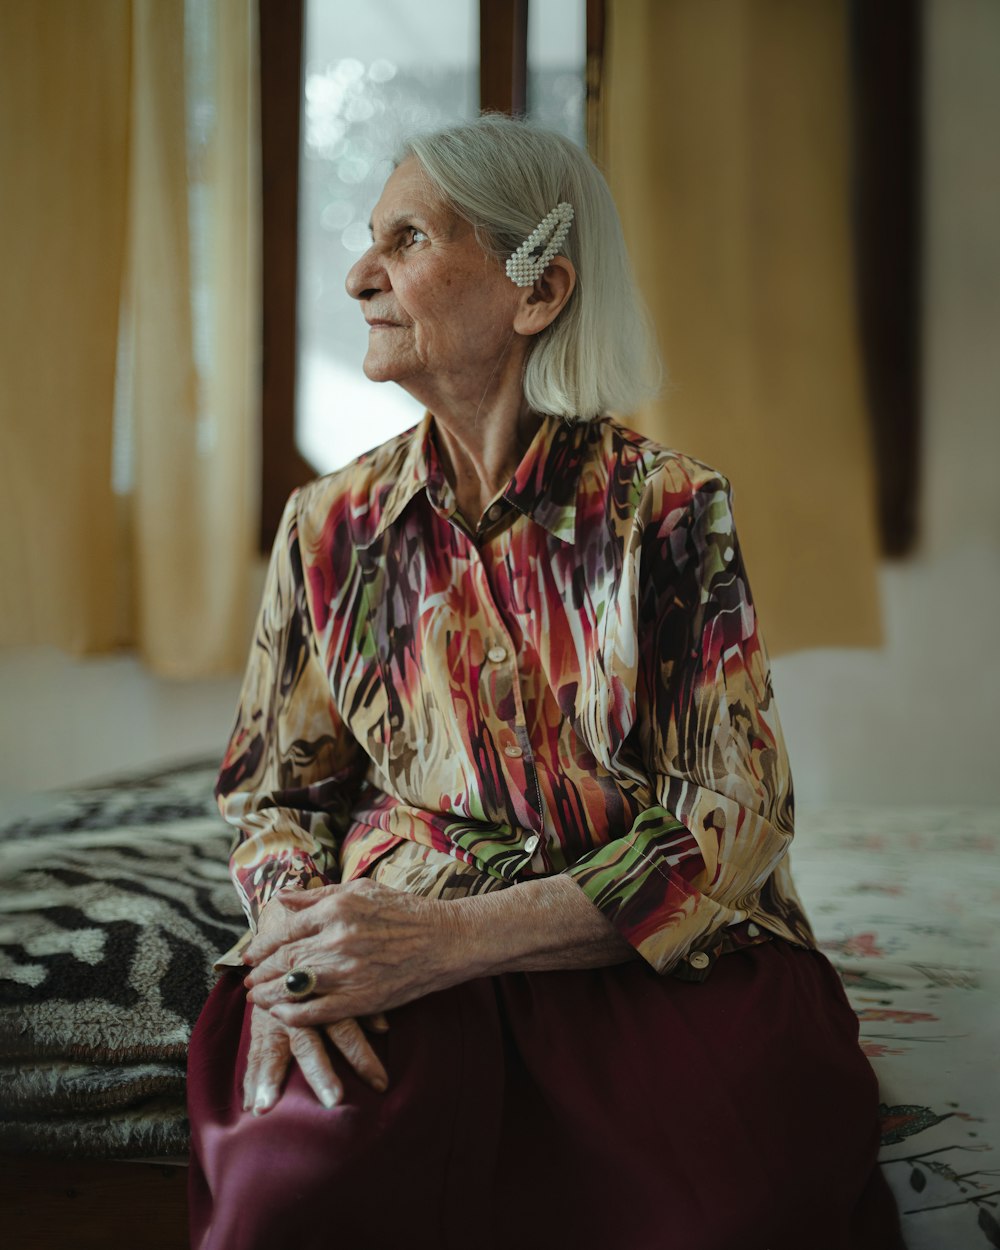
(557, 66)
(372, 74)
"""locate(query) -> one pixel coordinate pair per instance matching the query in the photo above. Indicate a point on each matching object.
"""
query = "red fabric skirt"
(609, 1108)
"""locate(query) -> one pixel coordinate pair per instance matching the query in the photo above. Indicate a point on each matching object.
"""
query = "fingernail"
(265, 1096)
(381, 1084)
(329, 1098)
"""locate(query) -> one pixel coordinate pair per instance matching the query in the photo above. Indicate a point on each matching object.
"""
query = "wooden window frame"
(886, 42)
(503, 55)
(886, 64)
(282, 468)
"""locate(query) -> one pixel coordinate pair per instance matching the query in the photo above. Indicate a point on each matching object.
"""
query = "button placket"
(533, 841)
(512, 738)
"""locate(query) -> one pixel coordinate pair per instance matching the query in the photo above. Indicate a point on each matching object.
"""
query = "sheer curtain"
(128, 328)
(726, 141)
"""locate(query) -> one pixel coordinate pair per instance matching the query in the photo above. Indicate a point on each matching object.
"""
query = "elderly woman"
(512, 800)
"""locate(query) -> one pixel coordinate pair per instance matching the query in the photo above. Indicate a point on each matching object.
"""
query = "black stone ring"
(300, 982)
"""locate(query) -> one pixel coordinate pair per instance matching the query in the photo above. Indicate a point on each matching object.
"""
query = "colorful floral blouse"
(578, 686)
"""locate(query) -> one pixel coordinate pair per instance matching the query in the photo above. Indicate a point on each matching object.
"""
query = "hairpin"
(531, 258)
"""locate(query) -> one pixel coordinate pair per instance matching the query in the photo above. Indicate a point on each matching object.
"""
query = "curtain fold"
(726, 143)
(64, 75)
(131, 215)
(194, 304)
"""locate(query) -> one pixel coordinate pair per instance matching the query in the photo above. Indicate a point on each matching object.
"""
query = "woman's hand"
(272, 1043)
(371, 948)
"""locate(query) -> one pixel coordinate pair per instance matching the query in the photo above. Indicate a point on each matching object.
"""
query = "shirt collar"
(415, 473)
(544, 486)
(546, 482)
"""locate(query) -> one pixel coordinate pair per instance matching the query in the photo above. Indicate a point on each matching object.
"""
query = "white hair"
(504, 175)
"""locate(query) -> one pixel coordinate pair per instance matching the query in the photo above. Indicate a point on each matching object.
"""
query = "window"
(372, 75)
(366, 75)
(557, 64)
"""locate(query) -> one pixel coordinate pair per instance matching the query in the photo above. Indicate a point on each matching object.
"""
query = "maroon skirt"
(609, 1108)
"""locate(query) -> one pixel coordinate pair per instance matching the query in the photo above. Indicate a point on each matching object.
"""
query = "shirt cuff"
(639, 883)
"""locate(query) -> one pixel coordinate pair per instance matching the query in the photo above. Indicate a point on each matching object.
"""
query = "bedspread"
(906, 904)
(107, 936)
(114, 900)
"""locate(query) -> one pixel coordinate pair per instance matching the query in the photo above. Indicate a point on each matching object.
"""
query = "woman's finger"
(315, 1013)
(291, 927)
(268, 980)
(298, 900)
(310, 1054)
(267, 1062)
(276, 967)
(377, 1023)
(349, 1039)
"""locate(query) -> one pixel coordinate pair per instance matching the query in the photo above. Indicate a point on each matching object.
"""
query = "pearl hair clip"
(531, 258)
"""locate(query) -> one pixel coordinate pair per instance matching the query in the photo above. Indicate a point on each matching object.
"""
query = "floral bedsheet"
(906, 904)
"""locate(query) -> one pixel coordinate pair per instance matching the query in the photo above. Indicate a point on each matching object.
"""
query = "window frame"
(503, 57)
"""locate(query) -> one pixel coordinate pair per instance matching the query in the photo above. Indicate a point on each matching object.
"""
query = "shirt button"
(699, 960)
(494, 513)
(752, 930)
(513, 751)
(531, 844)
(497, 654)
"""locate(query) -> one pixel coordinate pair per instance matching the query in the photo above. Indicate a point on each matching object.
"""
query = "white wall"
(915, 721)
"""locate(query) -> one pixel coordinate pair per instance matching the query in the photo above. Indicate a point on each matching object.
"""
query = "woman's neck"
(482, 442)
(479, 462)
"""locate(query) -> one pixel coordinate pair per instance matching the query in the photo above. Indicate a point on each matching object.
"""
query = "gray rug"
(114, 901)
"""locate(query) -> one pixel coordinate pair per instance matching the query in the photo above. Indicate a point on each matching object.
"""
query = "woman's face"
(440, 309)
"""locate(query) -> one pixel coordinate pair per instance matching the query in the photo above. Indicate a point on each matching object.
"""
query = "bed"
(114, 900)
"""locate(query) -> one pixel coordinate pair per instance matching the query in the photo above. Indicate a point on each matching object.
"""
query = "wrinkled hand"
(273, 1044)
(372, 948)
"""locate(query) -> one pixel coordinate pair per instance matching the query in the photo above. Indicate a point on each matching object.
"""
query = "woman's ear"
(544, 301)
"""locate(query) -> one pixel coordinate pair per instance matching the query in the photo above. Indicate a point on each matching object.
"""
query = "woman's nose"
(366, 277)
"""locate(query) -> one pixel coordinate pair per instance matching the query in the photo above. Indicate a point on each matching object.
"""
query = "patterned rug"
(114, 901)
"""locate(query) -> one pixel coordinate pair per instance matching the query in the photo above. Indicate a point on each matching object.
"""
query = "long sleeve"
(582, 688)
(292, 768)
(710, 739)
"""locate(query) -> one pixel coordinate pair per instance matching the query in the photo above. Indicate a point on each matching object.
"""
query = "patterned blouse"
(578, 686)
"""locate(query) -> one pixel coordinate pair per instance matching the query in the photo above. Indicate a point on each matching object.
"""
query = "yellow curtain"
(726, 140)
(64, 75)
(128, 171)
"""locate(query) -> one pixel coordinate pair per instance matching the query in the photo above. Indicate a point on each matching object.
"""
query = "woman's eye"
(414, 235)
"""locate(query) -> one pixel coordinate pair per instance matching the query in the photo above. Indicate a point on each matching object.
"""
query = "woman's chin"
(378, 370)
